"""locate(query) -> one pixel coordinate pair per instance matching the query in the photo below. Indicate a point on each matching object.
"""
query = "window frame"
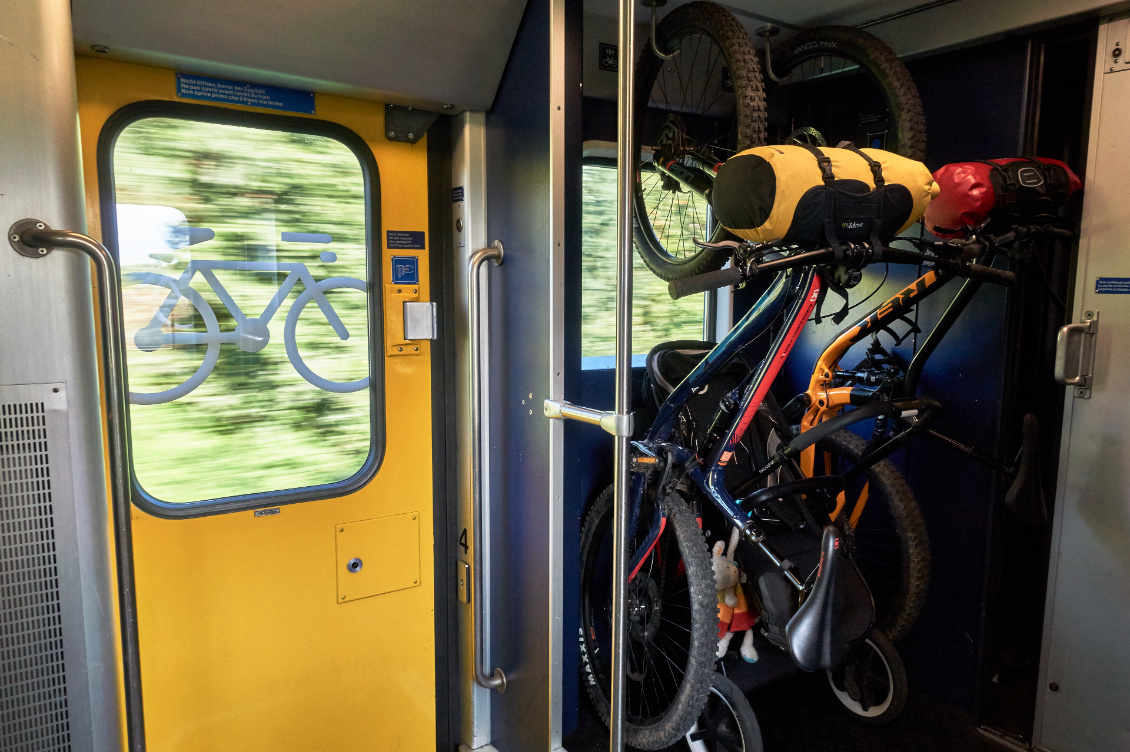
(603, 154)
(107, 140)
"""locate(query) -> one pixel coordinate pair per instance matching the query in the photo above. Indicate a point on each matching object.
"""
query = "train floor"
(798, 713)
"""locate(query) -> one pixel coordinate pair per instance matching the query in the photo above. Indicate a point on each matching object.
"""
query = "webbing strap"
(824, 162)
(880, 196)
(829, 199)
(874, 164)
(1009, 183)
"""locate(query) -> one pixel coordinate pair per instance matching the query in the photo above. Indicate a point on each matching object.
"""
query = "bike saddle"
(838, 611)
(1025, 497)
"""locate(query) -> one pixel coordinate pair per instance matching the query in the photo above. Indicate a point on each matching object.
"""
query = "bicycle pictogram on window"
(251, 333)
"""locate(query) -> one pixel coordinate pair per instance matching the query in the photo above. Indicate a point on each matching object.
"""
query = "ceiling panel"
(425, 52)
(798, 13)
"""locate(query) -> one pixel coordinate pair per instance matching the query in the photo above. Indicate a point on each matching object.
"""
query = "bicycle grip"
(987, 274)
(681, 288)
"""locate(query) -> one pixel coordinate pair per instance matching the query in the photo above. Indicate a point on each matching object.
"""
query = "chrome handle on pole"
(480, 328)
(34, 239)
(613, 423)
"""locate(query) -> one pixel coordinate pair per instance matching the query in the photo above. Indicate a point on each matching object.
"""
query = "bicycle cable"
(883, 281)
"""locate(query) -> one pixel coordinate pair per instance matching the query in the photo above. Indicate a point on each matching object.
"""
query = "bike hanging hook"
(767, 33)
(655, 5)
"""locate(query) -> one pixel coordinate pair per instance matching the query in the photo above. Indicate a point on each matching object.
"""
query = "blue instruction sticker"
(1112, 285)
(457, 194)
(405, 270)
(407, 240)
(241, 92)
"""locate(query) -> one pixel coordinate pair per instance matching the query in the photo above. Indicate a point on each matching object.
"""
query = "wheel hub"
(645, 609)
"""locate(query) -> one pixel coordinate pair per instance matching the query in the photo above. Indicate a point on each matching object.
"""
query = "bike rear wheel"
(871, 682)
(727, 723)
(887, 537)
(843, 84)
(696, 110)
(672, 624)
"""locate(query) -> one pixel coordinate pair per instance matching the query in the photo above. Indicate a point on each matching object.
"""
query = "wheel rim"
(690, 119)
(659, 635)
(718, 726)
(864, 684)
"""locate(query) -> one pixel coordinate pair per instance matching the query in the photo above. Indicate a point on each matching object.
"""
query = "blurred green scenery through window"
(655, 316)
(245, 284)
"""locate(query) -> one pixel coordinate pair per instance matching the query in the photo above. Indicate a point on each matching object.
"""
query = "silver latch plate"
(419, 320)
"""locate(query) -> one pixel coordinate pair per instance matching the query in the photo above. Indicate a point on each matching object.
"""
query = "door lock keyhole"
(354, 565)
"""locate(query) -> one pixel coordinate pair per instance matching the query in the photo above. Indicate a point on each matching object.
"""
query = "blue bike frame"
(803, 290)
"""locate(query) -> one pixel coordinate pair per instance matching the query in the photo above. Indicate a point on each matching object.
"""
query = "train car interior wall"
(387, 376)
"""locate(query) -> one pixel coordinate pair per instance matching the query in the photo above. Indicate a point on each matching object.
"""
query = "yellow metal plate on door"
(395, 298)
(377, 556)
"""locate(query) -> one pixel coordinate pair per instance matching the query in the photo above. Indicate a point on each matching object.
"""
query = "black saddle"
(837, 612)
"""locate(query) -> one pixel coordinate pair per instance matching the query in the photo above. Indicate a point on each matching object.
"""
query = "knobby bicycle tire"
(698, 607)
(902, 520)
(696, 19)
(908, 135)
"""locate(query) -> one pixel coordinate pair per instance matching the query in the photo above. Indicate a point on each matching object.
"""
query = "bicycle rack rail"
(479, 328)
(34, 239)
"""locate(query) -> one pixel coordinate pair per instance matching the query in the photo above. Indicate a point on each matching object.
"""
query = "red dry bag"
(1014, 189)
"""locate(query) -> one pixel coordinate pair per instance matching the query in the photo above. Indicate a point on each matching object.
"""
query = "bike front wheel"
(290, 334)
(672, 624)
(695, 110)
(173, 328)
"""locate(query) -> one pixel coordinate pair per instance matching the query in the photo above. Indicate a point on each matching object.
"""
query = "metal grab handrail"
(34, 239)
(496, 680)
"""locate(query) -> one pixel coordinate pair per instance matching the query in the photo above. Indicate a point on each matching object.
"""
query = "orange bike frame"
(826, 400)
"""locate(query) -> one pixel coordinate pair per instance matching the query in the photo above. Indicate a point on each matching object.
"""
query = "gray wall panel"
(47, 338)
(518, 201)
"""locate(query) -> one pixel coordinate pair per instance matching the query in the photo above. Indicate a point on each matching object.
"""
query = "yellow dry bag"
(825, 196)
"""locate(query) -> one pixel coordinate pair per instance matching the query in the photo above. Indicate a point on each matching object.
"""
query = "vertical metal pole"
(623, 367)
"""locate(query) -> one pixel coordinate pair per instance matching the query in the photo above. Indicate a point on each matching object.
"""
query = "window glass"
(655, 317)
(246, 308)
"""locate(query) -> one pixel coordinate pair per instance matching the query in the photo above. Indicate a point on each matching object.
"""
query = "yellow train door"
(280, 416)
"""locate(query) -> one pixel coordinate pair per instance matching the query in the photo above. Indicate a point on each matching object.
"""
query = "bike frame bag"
(1015, 188)
(805, 195)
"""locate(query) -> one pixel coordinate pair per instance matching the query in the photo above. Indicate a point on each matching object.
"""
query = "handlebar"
(681, 288)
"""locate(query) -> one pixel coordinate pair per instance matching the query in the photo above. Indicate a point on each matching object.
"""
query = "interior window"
(655, 316)
(246, 293)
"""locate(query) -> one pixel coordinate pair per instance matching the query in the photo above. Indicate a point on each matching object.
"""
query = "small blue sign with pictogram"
(405, 270)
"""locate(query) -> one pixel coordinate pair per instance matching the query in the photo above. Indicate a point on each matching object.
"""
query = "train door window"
(655, 316)
(249, 304)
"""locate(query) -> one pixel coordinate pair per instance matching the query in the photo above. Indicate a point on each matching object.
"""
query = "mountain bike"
(700, 99)
(681, 476)
(251, 333)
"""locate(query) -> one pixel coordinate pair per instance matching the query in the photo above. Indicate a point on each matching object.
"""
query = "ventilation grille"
(33, 687)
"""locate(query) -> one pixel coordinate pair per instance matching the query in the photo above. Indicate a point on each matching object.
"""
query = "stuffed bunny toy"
(733, 611)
